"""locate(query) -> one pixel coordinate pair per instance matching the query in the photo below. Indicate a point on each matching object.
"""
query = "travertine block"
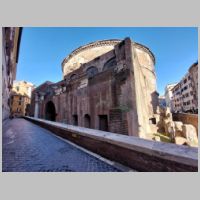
(189, 132)
(180, 140)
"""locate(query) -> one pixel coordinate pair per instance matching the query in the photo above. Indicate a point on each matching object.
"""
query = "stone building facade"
(10, 50)
(193, 70)
(23, 88)
(169, 95)
(185, 93)
(19, 105)
(162, 102)
(108, 85)
(21, 98)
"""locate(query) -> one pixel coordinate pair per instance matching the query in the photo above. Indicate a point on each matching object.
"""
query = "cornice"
(111, 42)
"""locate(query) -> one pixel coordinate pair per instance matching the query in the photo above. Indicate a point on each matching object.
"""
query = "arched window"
(110, 63)
(73, 76)
(87, 121)
(91, 71)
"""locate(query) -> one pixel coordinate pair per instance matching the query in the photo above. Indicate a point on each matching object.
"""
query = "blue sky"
(43, 49)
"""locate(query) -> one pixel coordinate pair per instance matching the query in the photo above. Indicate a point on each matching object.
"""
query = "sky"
(42, 50)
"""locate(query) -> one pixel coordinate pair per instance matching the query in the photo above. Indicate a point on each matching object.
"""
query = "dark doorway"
(27, 110)
(50, 111)
(103, 122)
(87, 121)
(75, 120)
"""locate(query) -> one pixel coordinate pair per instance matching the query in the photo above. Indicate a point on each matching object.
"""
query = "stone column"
(36, 112)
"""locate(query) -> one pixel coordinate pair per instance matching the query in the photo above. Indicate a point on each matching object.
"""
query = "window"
(87, 121)
(185, 81)
(152, 120)
(110, 63)
(103, 122)
(73, 76)
(91, 71)
(19, 103)
(75, 120)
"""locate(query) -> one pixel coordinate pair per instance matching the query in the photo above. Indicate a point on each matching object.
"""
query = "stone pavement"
(27, 147)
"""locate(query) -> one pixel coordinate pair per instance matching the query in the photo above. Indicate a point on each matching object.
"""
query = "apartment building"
(169, 95)
(193, 70)
(185, 96)
(162, 101)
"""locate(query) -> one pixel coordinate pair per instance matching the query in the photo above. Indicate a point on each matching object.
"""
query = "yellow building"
(20, 105)
(22, 88)
(21, 98)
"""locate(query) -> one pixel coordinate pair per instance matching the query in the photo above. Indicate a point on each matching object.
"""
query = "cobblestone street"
(30, 148)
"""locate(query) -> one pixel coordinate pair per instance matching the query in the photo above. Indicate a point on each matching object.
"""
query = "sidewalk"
(30, 148)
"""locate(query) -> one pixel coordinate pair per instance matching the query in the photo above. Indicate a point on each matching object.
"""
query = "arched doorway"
(50, 111)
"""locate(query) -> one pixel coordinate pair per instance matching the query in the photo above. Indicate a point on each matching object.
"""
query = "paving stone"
(30, 148)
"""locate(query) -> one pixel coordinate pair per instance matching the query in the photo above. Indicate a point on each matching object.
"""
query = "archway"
(50, 111)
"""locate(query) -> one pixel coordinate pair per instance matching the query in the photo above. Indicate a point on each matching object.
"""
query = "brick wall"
(187, 119)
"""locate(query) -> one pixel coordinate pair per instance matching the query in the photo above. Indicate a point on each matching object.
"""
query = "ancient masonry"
(108, 85)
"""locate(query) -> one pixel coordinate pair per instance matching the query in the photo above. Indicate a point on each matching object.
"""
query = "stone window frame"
(73, 76)
(89, 69)
(110, 63)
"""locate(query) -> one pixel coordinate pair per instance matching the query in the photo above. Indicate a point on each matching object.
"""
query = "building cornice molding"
(99, 43)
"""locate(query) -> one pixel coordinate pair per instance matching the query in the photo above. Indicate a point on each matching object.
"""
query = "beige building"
(162, 101)
(193, 70)
(185, 95)
(23, 88)
(169, 95)
(10, 50)
(20, 105)
(21, 98)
